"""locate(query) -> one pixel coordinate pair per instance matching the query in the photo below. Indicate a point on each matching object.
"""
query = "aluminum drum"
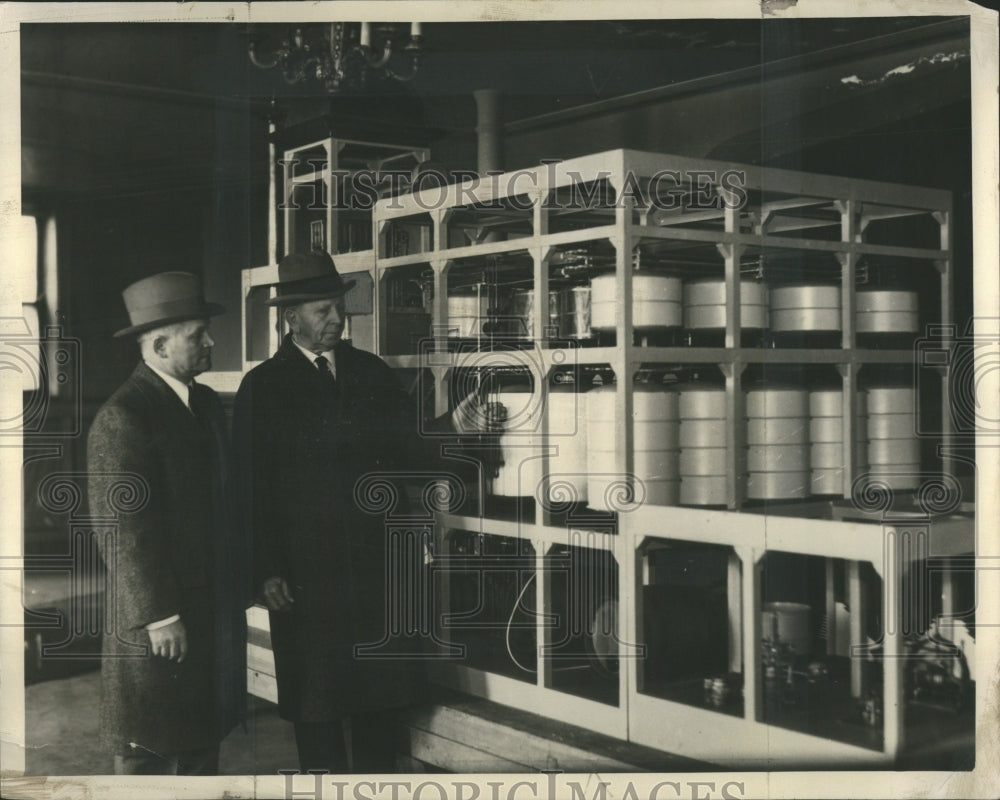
(777, 458)
(892, 426)
(703, 461)
(519, 318)
(827, 403)
(468, 311)
(655, 438)
(563, 476)
(805, 308)
(770, 430)
(831, 429)
(886, 311)
(826, 434)
(789, 623)
(886, 452)
(705, 305)
(778, 463)
(574, 313)
(779, 403)
(701, 401)
(777, 485)
(893, 446)
(703, 490)
(656, 302)
(892, 400)
(703, 454)
(695, 433)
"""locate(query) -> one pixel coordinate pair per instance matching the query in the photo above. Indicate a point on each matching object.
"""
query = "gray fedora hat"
(165, 298)
(307, 276)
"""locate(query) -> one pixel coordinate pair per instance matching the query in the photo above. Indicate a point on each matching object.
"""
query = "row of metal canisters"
(794, 444)
(665, 301)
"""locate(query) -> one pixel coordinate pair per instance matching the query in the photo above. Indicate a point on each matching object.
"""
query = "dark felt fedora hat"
(165, 298)
(307, 276)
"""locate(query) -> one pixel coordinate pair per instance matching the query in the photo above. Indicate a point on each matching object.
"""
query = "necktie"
(324, 370)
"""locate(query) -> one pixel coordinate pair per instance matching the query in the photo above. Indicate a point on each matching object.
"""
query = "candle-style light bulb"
(366, 34)
(416, 29)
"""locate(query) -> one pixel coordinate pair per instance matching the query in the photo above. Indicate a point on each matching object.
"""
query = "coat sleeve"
(125, 485)
(256, 512)
(234, 561)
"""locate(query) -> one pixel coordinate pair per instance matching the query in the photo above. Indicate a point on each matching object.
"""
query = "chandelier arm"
(258, 62)
(386, 55)
(401, 77)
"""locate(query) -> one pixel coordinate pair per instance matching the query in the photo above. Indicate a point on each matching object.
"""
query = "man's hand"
(170, 641)
(276, 594)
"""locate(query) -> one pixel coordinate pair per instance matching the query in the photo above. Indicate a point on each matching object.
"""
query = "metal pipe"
(489, 140)
(489, 130)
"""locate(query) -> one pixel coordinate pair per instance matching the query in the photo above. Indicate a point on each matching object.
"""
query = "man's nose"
(208, 341)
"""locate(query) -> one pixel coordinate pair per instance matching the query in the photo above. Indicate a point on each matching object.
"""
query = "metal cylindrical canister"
(519, 317)
(778, 459)
(695, 433)
(826, 434)
(656, 302)
(892, 426)
(705, 305)
(563, 475)
(807, 307)
(655, 438)
(468, 310)
(776, 403)
(702, 461)
(893, 446)
(886, 311)
(773, 457)
(702, 401)
(887, 452)
(770, 430)
(574, 313)
(891, 400)
(787, 623)
(702, 436)
(827, 403)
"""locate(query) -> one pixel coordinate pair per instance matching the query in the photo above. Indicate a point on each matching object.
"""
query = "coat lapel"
(154, 387)
(312, 383)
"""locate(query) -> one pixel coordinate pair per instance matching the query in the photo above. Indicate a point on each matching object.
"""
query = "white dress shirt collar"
(181, 389)
(328, 355)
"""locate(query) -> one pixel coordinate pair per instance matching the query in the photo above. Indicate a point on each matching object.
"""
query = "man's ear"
(160, 346)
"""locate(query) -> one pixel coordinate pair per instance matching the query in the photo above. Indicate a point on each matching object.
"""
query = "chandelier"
(343, 55)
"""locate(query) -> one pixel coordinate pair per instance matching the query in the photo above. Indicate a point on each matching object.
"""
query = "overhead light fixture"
(343, 55)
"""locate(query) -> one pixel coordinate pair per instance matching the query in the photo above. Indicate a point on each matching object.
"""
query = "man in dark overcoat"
(173, 680)
(308, 423)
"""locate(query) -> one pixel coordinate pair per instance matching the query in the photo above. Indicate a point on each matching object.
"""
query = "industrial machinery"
(709, 490)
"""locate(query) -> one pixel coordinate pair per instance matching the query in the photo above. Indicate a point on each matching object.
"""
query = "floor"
(62, 735)
(62, 732)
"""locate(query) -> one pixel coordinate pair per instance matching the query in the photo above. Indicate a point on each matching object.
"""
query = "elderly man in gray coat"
(173, 669)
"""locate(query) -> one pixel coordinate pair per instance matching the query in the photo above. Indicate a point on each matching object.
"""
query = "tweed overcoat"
(171, 551)
(301, 447)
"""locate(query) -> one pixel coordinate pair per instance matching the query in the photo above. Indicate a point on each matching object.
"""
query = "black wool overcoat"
(301, 447)
(160, 485)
